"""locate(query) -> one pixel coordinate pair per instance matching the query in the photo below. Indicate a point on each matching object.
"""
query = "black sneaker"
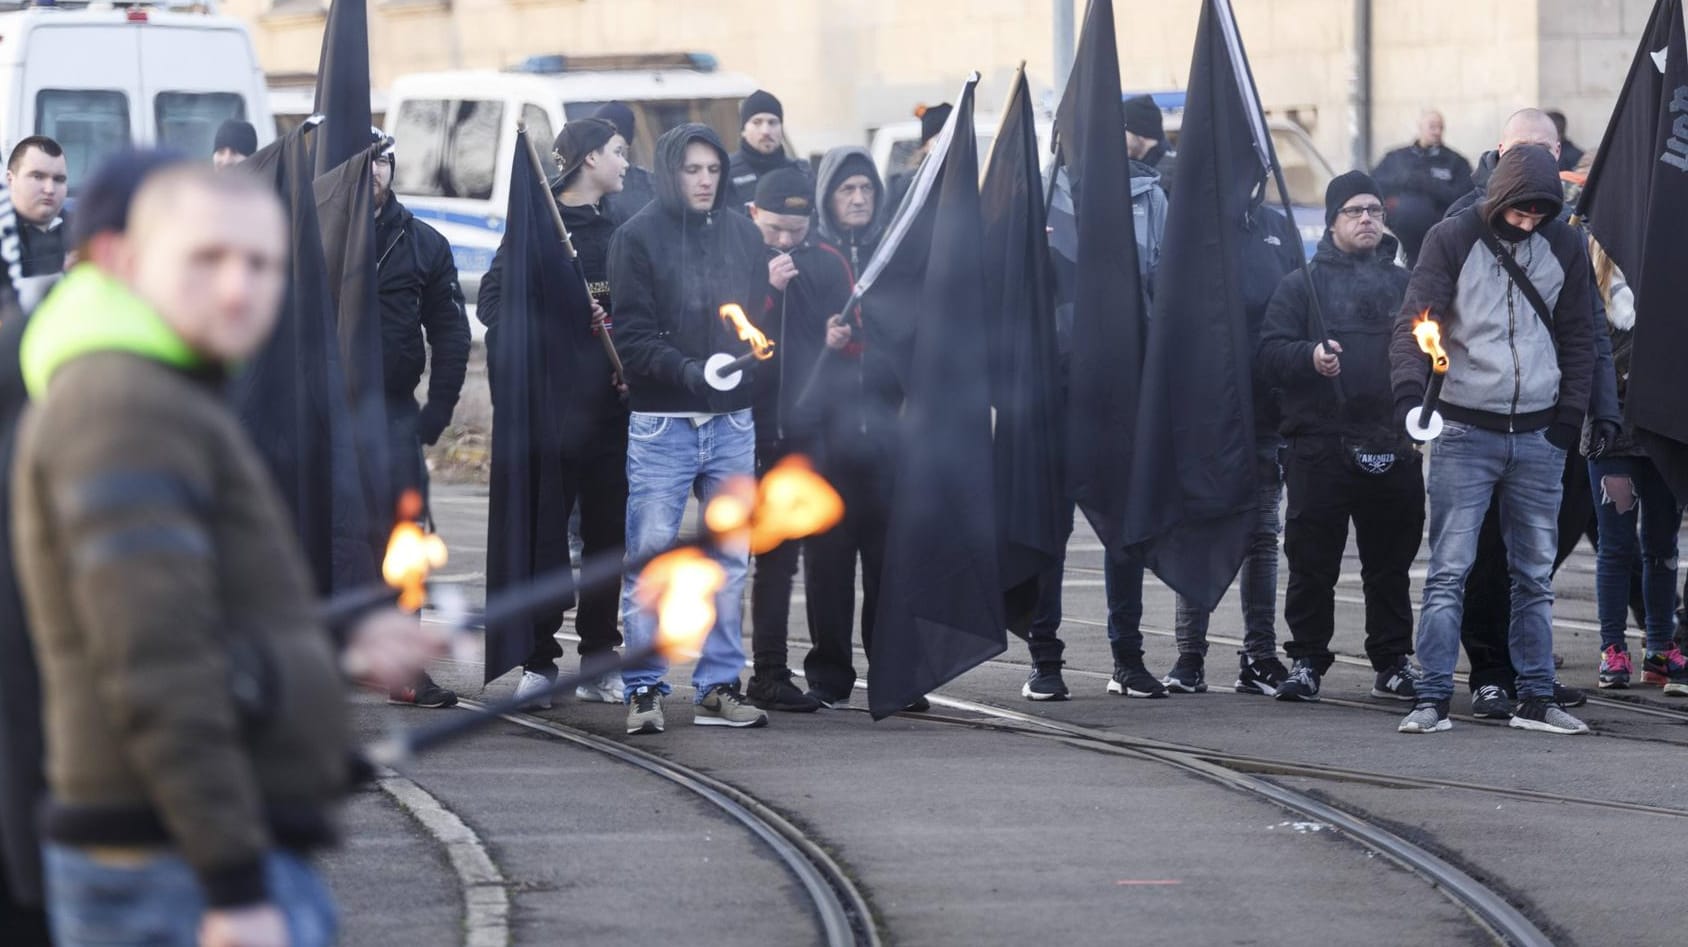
(424, 693)
(919, 705)
(1186, 676)
(1260, 675)
(1301, 685)
(1397, 683)
(1545, 716)
(1491, 702)
(1045, 682)
(775, 691)
(1568, 696)
(1134, 680)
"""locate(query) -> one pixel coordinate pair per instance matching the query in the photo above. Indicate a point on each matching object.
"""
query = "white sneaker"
(535, 682)
(606, 688)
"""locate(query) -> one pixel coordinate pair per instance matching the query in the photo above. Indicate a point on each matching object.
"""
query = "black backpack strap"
(1519, 279)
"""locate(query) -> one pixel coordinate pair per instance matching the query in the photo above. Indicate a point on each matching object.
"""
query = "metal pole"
(1362, 84)
(1063, 36)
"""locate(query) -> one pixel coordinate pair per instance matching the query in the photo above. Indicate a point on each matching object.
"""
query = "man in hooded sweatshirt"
(1514, 398)
(761, 148)
(671, 270)
(850, 200)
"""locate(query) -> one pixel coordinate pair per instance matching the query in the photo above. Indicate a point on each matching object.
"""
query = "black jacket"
(671, 270)
(421, 310)
(1274, 252)
(1358, 298)
(591, 230)
(746, 168)
(858, 246)
(42, 252)
(795, 321)
(1419, 185)
(636, 191)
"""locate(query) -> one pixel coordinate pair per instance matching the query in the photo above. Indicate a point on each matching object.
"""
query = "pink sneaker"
(1667, 668)
(1615, 668)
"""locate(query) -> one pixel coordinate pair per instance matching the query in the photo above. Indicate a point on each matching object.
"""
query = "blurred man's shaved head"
(1530, 127)
(158, 200)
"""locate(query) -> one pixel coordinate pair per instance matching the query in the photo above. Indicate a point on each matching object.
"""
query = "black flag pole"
(603, 332)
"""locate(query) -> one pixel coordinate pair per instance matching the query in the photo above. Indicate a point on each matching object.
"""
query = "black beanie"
(236, 134)
(785, 191)
(758, 102)
(621, 116)
(932, 120)
(580, 138)
(1143, 118)
(1343, 188)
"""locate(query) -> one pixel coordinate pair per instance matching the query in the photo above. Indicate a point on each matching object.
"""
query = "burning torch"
(1424, 423)
(723, 371)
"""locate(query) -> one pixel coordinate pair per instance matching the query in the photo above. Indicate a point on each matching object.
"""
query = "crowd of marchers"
(138, 504)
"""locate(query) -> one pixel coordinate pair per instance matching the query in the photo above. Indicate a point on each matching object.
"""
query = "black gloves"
(1402, 406)
(1562, 435)
(431, 425)
(694, 380)
(1602, 435)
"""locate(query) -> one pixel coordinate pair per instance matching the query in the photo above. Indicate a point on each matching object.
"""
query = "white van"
(99, 79)
(456, 131)
(292, 98)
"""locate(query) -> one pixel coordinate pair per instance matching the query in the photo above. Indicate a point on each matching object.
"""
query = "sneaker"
(1428, 716)
(606, 688)
(723, 707)
(1135, 681)
(918, 706)
(1186, 676)
(1568, 696)
(1667, 668)
(775, 691)
(1545, 716)
(1491, 703)
(644, 711)
(534, 683)
(1615, 669)
(829, 702)
(1260, 675)
(424, 693)
(1045, 682)
(1397, 683)
(1302, 685)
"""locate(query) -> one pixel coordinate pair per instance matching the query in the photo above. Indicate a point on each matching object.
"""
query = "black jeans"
(1325, 493)
(770, 584)
(860, 470)
(595, 481)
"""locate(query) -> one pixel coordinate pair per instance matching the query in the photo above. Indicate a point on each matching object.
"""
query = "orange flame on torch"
(681, 587)
(760, 346)
(791, 502)
(1429, 336)
(412, 555)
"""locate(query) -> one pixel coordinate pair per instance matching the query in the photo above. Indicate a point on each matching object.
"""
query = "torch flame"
(680, 586)
(412, 555)
(760, 347)
(791, 502)
(1429, 336)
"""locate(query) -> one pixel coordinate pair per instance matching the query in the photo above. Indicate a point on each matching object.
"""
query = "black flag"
(1029, 488)
(342, 92)
(1105, 371)
(1636, 203)
(940, 608)
(346, 218)
(1194, 479)
(290, 397)
(543, 305)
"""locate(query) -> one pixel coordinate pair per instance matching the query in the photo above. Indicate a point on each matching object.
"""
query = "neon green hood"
(90, 312)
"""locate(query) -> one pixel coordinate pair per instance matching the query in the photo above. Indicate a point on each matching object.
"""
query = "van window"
(90, 124)
(450, 149)
(188, 121)
(539, 131)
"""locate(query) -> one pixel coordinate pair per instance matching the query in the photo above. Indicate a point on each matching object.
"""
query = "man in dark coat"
(1145, 140)
(1325, 346)
(761, 148)
(1420, 181)
(37, 176)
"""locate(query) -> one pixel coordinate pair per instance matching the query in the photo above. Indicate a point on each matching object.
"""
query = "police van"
(456, 131)
(292, 98)
(99, 78)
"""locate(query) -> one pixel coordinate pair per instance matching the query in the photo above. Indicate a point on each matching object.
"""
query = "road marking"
(486, 895)
(1144, 882)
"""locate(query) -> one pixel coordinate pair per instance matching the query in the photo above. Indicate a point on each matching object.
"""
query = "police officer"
(1420, 181)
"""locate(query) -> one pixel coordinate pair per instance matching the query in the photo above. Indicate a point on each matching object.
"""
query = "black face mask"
(1509, 233)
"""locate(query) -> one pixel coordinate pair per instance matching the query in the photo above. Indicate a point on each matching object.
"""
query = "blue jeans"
(668, 459)
(1259, 573)
(1468, 466)
(158, 902)
(1651, 510)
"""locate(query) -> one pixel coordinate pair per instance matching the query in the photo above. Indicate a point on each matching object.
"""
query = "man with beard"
(761, 148)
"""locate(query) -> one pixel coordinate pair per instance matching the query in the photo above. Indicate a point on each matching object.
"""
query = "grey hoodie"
(858, 245)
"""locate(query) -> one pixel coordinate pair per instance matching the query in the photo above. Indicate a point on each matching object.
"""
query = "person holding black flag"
(1325, 345)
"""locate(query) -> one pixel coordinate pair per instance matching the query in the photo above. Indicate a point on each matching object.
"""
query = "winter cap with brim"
(785, 191)
(759, 103)
(932, 120)
(1143, 118)
(579, 139)
(1344, 188)
(620, 115)
(103, 205)
(238, 136)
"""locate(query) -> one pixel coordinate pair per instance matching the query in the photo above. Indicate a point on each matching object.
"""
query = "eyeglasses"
(1355, 213)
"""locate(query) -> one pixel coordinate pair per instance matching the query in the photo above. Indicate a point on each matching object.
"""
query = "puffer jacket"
(1507, 371)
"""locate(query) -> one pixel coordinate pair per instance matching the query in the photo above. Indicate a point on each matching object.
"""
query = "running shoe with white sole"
(1615, 669)
(535, 683)
(1187, 675)
(1545, 716)
(606, 688)
(1260, 675)
(722, 706)
(1397, 683)
(1045, 682)
(1302, 685)
(1430, 716)
(1135, 681)
(1491, 702)
(644, 711)
(1666, 668)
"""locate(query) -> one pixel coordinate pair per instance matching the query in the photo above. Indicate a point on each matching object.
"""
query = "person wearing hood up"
(1325, 345)
(850, 204)
(761, 148)
(932, 119)
(672, 268)
(1514, 398)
